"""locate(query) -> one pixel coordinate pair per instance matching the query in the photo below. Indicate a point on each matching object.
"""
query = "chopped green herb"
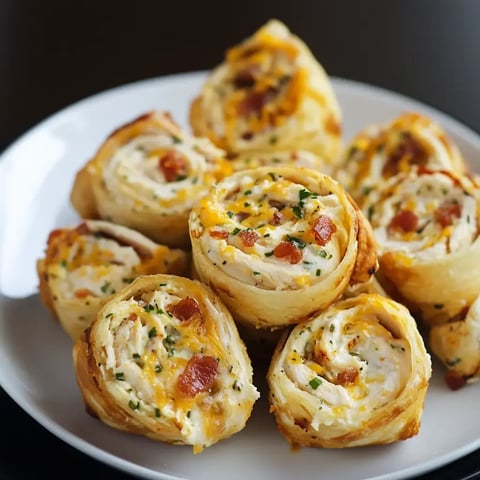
(268, 254)
(127, 279)
(157, 412)
(370, 212)
(453, 362)
(230, 214)
(332, 328)
(318, 272)
(162, 285)
(105, 287)
(63, 263)
(273, 140)
(247, 192)
(297, 210)
(323, 253)
(236, 231)
(246, 204)
(438, 306)
(298, 242)
(188, 414)
(152, 332)
(133, 405)
(303, 194)
(176, 139)
(108, 315)
(149, 308)
(158, 368)
(120, 376)
(366, 190)
(169, 340)
(315, 382)
(135, 355)
(272, 176)
(256, 273)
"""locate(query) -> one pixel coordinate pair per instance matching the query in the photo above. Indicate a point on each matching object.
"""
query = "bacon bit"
(133, 316)
(82, 293)
(454, 380)
(276, 204)
(447, 212)
(199, 375)
(320, 356)
(323, 229)
(303, 423)
(248, 237)
(348, 376)
(172, 165)
(289, 252)
(241, 216)
(247, 136)
(404, 220)
(221, 234)
(246, 77)
(277, 218)
(410, 148)
(185, 309)
(254, 102)
(54, 234)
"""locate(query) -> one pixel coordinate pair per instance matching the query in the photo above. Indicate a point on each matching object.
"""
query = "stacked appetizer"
(278, 248)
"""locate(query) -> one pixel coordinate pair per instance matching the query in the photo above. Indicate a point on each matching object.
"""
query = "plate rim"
(132, 468)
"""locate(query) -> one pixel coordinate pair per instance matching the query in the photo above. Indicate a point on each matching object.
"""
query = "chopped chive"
(108, 315)
(247, 192)
(63, 263)
(303, 194)
(332, 328)
(133, 405)
(318, 272)
(158, 368)
(315, 382)
(230, 214)
(152, 332)
(297, 210)
(256, 273)
(136, 355)
(104, 287)
(298, 242)
(176, 139)
(438, 306)
(236, 230)
(269, 254)
(157, 412)
(272, 176)
(120, 376)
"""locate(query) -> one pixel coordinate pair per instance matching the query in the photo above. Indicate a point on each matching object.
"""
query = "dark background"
(53, 53)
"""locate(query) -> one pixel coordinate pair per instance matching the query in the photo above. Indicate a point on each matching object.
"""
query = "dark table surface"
(53, 53)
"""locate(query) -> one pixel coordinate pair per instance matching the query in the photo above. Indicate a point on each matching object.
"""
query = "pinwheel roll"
(280, 243)
(408, 142)
(164, 359)
(84, 266)
(269, 94)
(147, 175)
(457, 344)
(354, 375)
(293, 158)
(427, 229)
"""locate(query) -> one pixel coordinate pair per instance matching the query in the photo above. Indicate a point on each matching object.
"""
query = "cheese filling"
(444, 216)
(135, 176)
(350, 361)
(261, 231)
(147, 350)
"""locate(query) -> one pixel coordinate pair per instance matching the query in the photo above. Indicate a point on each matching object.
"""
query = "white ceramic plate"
(36, 175)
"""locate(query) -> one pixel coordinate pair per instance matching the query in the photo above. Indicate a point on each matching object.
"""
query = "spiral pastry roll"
(164, 359)
(354, 375)
(380, 152)
(269, 94)
(148, 175)
(292, 158)
(280, 243)
(426, 224)
(85, 266)
(457, 344)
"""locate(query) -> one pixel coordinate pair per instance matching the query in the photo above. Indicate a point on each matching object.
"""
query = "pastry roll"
(163, 359)
(148, 175)
(269, 94)
(354, 375)
(293, 158)
(381, 151)
(457, 344)
(426, 224)
(278, 243)
(85, 266)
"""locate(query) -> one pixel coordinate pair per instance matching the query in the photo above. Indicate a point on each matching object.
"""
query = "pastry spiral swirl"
(354, 375)
(164, 359)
